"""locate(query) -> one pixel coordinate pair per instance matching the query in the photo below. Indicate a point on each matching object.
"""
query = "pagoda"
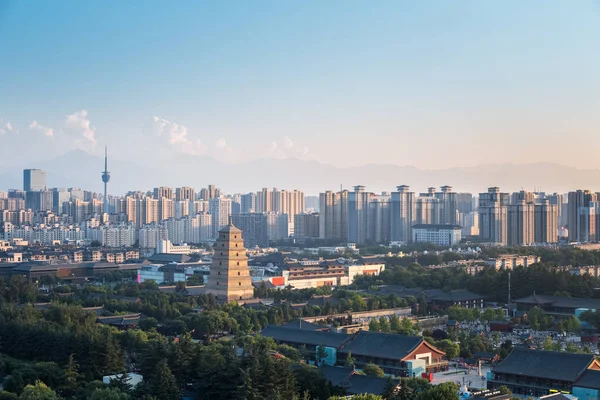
(229, 278)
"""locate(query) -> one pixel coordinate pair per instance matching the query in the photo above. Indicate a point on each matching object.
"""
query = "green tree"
(451, 349)
(384, 325)
(373, 325)
(109, 394)
(350, 361)
(373, 370)
(443, 391)
(39, 391)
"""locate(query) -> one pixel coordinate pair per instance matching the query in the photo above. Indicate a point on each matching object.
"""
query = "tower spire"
(105, 179)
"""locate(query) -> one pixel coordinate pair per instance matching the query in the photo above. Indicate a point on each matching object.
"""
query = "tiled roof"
(590, 379)
(545, 364)
(299, 324)
(562, 302)
(352, 382)
(382, 345)
(301, 336)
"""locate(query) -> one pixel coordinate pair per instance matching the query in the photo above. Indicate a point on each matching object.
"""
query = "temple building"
(229, 278)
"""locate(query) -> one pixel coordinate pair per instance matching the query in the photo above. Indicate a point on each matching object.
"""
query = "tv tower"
(105, 179)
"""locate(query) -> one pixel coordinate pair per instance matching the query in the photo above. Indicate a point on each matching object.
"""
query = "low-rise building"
(438, 234)
(537, 373)
(512, 261)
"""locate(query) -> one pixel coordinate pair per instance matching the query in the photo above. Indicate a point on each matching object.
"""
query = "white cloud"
(9, 127)
(221, 143)
(285, 149)
(177, 135)
(79, 121)
(287, 143)
(40, 128)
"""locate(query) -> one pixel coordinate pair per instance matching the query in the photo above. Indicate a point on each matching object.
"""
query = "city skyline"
(260, 82)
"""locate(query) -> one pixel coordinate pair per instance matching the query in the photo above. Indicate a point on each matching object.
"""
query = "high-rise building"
(546, 222)
(39, 200)
(358, 215)
(493, 215)
(254, 226)
(163, 191)
(264, 200)
(527, 197)
(306, 226)
(333, 218)
(248, 203)
(521, 226)
(209, 193)
(229, 278)
(464, 203)
(220, 209)
(277, 226)
(147, 211)
(578, 215)
(428, 209)
(402, 214)
(166, 208)
(448, 205)
(379, 228)
(558, 200)
(34, 180)
(184, 193)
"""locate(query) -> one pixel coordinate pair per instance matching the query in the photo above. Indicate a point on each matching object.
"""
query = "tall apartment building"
(209, 193)
(493, 215)
(277, 226)
(379, 227)
(163, 191)
(264, 200)
(255, 228)
(558, 200)
(306, 226)
(448, 205)
(220, 209)
(402, 214)
(521, 226)
(333, 217)
(427, 209)
(182, 208)
(248, 203)
(578, 216)
(464, 203)
(34, 180)
(358, 215)
(166, 208)
(147, 211)
(546, 222)
(185, 193)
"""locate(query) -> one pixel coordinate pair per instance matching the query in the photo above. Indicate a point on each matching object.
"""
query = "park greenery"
(52, 347)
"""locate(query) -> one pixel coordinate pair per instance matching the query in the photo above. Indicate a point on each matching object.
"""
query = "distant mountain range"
(80, 169)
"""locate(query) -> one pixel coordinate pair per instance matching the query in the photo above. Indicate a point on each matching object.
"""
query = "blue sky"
(425, 83)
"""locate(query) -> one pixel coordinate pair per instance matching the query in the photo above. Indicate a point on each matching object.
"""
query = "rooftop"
(545, 364)
(352, 382)
(562, 302)
(382, 345)
(302, 336)
(590, 379)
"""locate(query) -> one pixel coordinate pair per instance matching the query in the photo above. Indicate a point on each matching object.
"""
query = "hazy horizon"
(429, 84)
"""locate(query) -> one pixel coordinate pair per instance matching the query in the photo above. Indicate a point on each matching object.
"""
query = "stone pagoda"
(229, 278)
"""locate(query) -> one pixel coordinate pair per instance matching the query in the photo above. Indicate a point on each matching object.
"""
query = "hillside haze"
(80, 169)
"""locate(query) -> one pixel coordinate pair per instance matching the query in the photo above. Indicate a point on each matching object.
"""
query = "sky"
(433, 84)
